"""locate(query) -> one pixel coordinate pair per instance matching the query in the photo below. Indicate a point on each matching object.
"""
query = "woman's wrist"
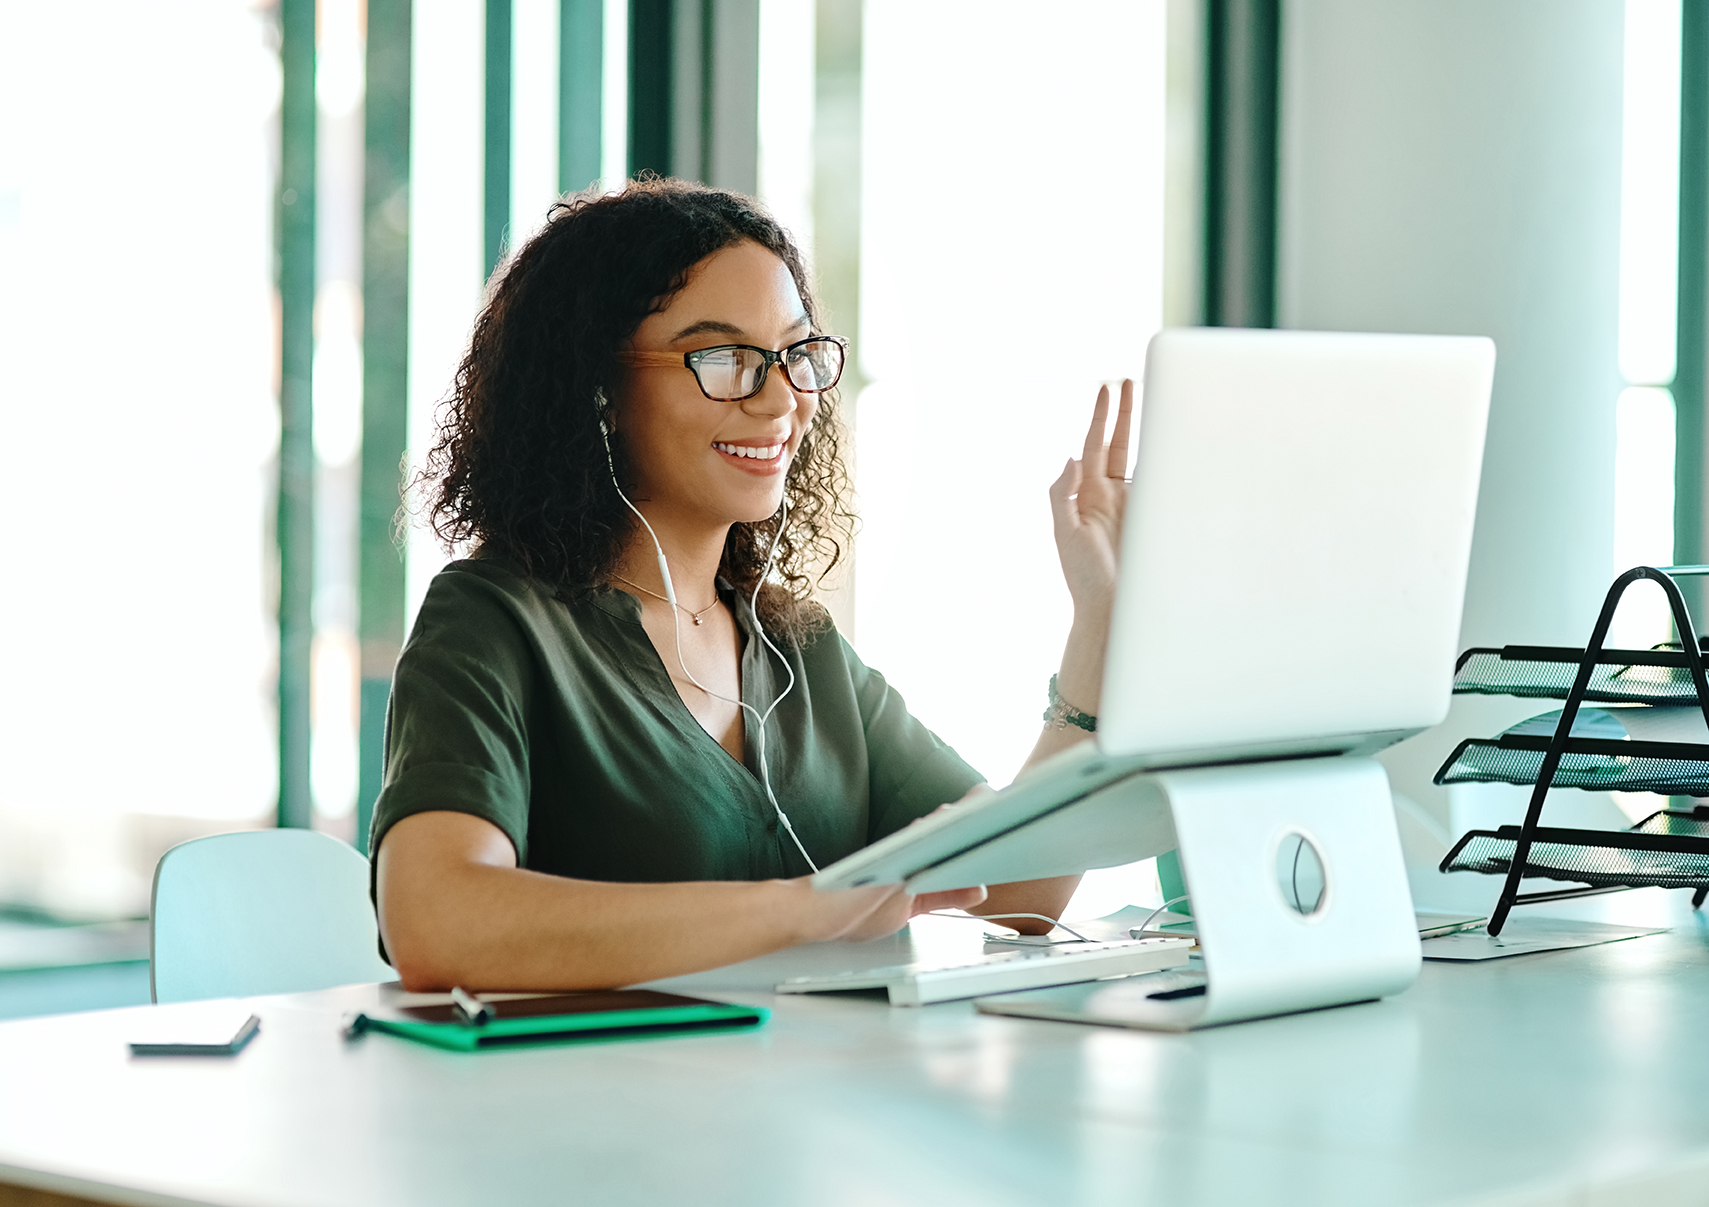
(1080, 679)
(1094, 605)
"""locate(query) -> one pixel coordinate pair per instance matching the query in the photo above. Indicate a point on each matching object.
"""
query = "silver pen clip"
(470, 1009)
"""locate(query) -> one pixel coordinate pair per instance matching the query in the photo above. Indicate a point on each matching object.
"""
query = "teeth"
(767, 453)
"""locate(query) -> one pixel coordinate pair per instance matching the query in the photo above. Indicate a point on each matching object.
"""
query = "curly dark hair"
(517, 467)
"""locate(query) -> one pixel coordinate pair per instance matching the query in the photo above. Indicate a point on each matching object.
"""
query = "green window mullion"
(1242, 78)
(495, 194)
(651, 67)
(1692, 330)
(385, 380)
(581, 73)
(295, 502)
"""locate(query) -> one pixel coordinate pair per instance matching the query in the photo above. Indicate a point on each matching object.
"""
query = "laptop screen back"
(1296, 540)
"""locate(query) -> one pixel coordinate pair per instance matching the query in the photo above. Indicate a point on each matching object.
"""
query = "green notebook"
(563, 1018)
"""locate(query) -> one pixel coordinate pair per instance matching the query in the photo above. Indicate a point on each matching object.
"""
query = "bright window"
(137, 330)
(1012, 259)
(1649, 265)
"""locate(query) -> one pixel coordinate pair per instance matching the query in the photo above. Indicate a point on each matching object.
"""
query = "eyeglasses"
(732, 372)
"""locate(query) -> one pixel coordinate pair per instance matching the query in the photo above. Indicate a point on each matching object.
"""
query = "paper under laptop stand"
(1299, 895)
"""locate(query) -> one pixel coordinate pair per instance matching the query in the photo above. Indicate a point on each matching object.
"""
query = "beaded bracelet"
(1061, 714)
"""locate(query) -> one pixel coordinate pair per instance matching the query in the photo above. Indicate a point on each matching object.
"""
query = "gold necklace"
(694, 616)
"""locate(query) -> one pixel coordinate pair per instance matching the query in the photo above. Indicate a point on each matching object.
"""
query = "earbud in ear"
(602, 406)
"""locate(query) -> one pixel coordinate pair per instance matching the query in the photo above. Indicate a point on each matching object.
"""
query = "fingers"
(859, 902)
(889, 916)
(1067, 482)
(884, 911)
(956, 898)
(973, 793)
(1095, 433)
(1064, 515)
(840, 913)
(1086, 486)
(1117, 463)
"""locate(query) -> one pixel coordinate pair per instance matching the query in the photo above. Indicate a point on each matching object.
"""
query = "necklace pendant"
(697, 620)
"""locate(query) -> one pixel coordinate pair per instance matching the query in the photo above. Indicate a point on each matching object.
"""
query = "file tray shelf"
(1546, 672)
(1669, 848)
(1597, 765)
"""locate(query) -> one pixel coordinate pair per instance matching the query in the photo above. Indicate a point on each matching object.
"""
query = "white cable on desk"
(1148, 917)
(942, 913)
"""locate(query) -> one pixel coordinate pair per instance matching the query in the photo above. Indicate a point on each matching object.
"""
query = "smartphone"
(211, 1029)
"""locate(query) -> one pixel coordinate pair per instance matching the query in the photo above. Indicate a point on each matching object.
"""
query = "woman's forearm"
(455, 910)
(509, 928)
(1080, 682)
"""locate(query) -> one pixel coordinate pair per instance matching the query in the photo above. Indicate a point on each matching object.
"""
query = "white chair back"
(261, 911)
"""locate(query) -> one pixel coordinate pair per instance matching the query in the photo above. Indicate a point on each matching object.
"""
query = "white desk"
(1575, 1077)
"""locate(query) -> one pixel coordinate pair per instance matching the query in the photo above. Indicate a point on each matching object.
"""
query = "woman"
(642, 449)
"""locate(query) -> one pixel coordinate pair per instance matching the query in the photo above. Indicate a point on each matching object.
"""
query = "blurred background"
(242, 245)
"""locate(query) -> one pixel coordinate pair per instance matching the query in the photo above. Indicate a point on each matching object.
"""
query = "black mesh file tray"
(1666, 849)
(1600, 858)
(1546, 672)
(1595, 764)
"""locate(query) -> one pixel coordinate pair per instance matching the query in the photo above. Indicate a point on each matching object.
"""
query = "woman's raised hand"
(1086, 504)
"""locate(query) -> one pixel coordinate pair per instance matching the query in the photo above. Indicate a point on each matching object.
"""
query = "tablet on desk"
(1050, 822)
(1082, 809)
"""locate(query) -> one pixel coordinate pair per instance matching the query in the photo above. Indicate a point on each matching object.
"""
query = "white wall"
(446, 259)
(1454, 167)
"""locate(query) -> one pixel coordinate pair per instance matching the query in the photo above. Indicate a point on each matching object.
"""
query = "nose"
(776, 398)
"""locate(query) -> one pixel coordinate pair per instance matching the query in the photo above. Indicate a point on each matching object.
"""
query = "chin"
(753, 506)
(760, 513)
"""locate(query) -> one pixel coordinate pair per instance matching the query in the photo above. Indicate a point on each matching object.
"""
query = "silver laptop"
(1294, 558)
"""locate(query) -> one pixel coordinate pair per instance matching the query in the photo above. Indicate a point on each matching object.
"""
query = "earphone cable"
(1078, 937)
(753, 612)
(759, 718)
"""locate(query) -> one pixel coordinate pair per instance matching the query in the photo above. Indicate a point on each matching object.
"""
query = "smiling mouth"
(763, 452)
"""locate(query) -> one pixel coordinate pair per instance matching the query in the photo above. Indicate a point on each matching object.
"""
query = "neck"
(693, 551)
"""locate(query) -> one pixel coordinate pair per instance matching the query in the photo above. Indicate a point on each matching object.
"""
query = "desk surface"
(1570, 1077)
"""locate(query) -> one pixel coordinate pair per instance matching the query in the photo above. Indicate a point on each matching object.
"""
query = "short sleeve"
(911, 770)
(456, 736)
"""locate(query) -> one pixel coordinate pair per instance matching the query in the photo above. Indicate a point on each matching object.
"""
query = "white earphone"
(760, 719)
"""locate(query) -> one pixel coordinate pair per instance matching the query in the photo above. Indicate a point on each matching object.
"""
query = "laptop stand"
(1269, 947)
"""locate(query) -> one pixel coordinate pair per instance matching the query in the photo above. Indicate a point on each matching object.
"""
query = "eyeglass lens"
(813, 365)
(736, 373)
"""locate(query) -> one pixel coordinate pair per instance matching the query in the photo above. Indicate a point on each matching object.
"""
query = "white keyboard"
(923, 983)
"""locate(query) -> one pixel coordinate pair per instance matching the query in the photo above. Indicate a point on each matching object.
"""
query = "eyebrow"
(720, 327)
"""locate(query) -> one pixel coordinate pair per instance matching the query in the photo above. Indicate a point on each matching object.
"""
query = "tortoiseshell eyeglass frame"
(768, 358)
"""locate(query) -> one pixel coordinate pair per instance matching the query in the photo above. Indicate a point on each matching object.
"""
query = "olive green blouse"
(557, 722)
